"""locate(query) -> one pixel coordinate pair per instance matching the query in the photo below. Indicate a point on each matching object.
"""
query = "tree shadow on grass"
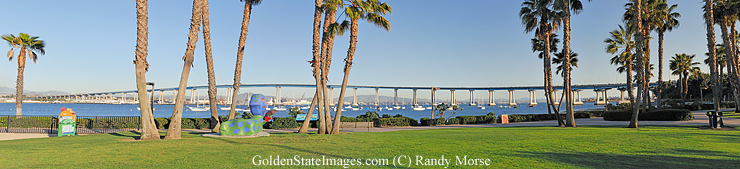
(135, 137)
(602, 160)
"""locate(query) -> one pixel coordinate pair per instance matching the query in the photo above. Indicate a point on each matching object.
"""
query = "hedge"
(395, 121)
(654, 115)
(541, 117)
(284, 123)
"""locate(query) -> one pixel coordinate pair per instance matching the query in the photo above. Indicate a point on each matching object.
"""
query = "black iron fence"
(84, 124)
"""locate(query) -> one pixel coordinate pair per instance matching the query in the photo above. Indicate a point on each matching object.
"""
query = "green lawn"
(731, 114)
(518, 147)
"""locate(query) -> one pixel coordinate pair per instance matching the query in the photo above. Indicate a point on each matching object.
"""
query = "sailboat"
(198, 107)
(418, 108)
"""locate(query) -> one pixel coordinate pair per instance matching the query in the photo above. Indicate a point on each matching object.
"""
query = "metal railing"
(84, 124)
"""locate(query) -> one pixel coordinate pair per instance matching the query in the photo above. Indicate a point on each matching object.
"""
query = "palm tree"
(27, 46)
(372, 11)
(240, 52)
(175, 128)
(721, 59)
(327, 48)
(316, 47)
(538, 16)
(639, 51)
(649, 18)
(620, 43)
(725, 14)
(148, 128)
(559, 60)
(215, 121)
(709, 19)
(667, 20)
(565, 6)
(539, 46)
(683, 65)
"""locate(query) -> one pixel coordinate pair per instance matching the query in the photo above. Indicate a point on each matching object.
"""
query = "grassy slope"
(525, 147)
(731, 114)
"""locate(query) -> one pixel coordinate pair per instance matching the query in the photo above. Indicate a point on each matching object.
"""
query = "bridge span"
(600, 90)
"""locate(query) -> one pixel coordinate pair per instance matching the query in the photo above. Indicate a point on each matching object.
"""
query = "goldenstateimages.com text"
(396, 161)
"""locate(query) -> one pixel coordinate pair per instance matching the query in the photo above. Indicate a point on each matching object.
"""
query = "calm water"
(166, 110)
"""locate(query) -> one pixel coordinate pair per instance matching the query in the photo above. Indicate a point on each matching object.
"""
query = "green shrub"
(283, 123)
(369, 115)
(395, 121)
(162, 123)
(654, 115)
(542, 117)
(467, 119)
(453, 121)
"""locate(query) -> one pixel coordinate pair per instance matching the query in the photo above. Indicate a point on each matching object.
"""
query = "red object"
(267, 118)
(64, 108)
(504, 118)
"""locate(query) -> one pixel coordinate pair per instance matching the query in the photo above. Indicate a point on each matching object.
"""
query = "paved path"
(700, 119)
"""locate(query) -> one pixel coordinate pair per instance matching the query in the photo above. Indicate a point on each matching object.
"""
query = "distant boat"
(279, 108)
(348, 107)
(355, 108)
(199, 108)
(396, 107)
(482, 108)
(225, 108)
(305, 107)
(419, 108)
(388, 108)
(139, 108)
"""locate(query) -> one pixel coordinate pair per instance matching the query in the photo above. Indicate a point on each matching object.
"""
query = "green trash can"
(66, 127)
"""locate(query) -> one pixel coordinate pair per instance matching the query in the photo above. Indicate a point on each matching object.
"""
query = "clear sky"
(90, 45)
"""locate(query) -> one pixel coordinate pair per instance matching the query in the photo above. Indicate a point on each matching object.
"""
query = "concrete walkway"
(700, 119)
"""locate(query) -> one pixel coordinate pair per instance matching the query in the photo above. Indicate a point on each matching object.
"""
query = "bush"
(542, 117)
(453, 121)
(395, 121)
(369, 115)
(467, 119)
(432, 122)
(594, 113)
(283, 123)
(654, 115)
(162, 123)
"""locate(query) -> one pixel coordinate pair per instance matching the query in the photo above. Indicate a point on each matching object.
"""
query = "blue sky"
(91, 43)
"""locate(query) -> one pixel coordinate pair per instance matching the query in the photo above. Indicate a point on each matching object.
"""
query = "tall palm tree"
(683, 65)
(539, 46)
(316, 50)
(721, 59)
(725, 14)
(372, 11)
(709, 19)
(620, 43)
(538, 16)
(215, 121)
(28, 46)
(175, 128)
(240, 52)
(639, 51)
(565, 6)
(667, 21)
(148, 128)
(649, 18)
(327, 48)
(559, 60)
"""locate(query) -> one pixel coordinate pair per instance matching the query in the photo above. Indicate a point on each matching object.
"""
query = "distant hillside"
(8, 90)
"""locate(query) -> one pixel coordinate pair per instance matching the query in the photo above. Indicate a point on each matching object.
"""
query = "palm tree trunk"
(639, 46)
(660, 70)
(569, 118)
(728, 54)
(148, 128)
(316, 50)
(326, 64)
(307, 121)
(215, 121)
(175, 127)
(646, 74)
(548, 77)
(714, 78)
(240, 56)
(629, 81)
(19, 83)
(347, 67)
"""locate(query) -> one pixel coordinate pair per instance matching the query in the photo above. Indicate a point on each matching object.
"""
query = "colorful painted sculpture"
(247, 127)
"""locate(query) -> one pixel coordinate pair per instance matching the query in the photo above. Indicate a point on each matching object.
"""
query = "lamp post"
(151, 102)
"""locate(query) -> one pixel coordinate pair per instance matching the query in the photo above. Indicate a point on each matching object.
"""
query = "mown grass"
(520, 147)
(730, 114)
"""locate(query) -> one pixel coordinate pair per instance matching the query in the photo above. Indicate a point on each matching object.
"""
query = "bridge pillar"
(354, 102)
(606, 100)
(472, 98)
(621, 96)
(434, 97)
(161, 97)
(532, 99)
(577, 93)
(556, 100)
(277, 96)
(376, 98)
(395, 97)
(414, 100)
(453, 101)
(192, 96)
(331, 96)
(228, 95)
(512, 98)
(600, 100)
(491, 101)
(174, 96)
